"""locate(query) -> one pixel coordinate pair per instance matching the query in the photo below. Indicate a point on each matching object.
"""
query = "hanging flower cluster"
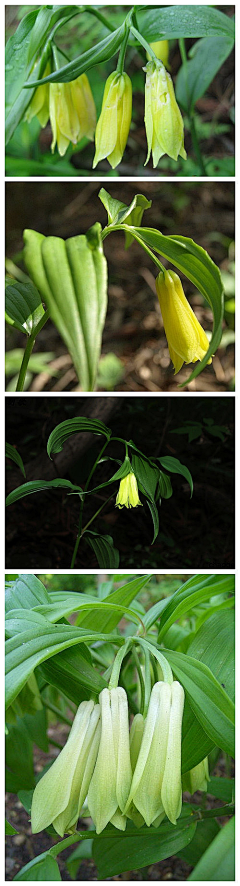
(72, 112)
(120, 775)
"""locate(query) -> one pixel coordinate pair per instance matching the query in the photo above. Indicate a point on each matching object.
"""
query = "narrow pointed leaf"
(192, 593)
(101, 52)
(176, 467)
(40, 486)
(13, 454)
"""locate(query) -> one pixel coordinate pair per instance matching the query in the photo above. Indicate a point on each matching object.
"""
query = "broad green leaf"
(74, 426)
(43, 867)
(101, 52)
(222, 788)
(139, 848)
(102, 545)
(205, 832)
(206, 57)
(147, 474)
(71, 277)
(208, 700)
(9, 830)
(12, 453)
(122, 596)
(118, 212)
(24, 308)
(217, 863)
(176, 467)
(69, 672)
(197, 265)
(25, 592)
(165, 485)
(40, 486)
(214, 646)
(16, 57)
(192, 593)
(55, 611)
(172, 22)
(19, 747)
(33, 641)
(195, 743)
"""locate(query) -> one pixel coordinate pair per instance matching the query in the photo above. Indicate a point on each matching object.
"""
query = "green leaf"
(56, 611)
(217, 863)
(122, 596)
(12, 453)
(46, 19)
(155, 517)
(197, 265)
(33, 641)
(138, 848)
(208, 700)
(44, 867)
(192, 593)
(39, 486)
(9, 830)
(205, 832)
(195, 76)
(176, 467)
(214, 646)
(102, 545)
(70, 673)
(25, 592)
(195, 743)
(19, 747)
(172, 22)
(74, 426)
(118, 212)
(71, 277)
(164, 486)
(24, 308)
(222, 788)
(101, 52)
(147, 474)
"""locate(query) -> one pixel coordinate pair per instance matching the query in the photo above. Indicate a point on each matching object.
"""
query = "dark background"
(194, 533)
(133, 331)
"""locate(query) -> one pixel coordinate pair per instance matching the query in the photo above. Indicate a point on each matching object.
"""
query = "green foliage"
(75, 660)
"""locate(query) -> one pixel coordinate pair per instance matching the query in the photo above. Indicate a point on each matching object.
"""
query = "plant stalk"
(28, 351)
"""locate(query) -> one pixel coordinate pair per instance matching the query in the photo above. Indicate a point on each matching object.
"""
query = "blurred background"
(135, 356)
(195, 532)
(28, 152)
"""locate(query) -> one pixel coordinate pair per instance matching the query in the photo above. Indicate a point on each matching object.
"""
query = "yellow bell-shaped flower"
(187, 341)
(128, 492)
(72, 112)
(163, 120)
(60, 793)
(161, 49)
(114, 121)
(39, 104)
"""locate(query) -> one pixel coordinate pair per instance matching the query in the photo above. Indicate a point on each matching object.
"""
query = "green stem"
(47, 704)
(74, 838)
(148, 685)
(117, 664)
(28, 351)
(96, 514)
(140, 677)
(108, 230)
(164, 664)
(122, 53)
(81, 532)
(95, 11)
(143, 42)
(196, 145)
(79, 535)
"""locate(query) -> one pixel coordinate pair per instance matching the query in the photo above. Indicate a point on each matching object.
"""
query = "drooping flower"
(163, 119)
(111, 779)
(114, 121)
(72, 112)
(39, 104)
(60, 793)
(128, 492)
(171, 791)
(197, 778)
(187, 341)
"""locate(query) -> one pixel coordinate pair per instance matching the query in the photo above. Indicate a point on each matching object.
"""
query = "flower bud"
(128, 492)
(72, 112)
(197, 778)
(114, 121)
(110, 783)
(161, 49)
(187, 341)
(163, 120)
(60, 793)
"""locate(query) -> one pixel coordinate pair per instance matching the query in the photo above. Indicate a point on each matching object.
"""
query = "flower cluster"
(121, 775)
(72, 113)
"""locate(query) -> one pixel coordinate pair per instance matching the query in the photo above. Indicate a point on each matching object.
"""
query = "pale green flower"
(114, 121)
(163, 119)
(72, 112)
(60, 793)
(39, 104)
(197, 778)
(171, 790)
(110, 783)
(128, 492)
(187, 341)
(145, 791)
